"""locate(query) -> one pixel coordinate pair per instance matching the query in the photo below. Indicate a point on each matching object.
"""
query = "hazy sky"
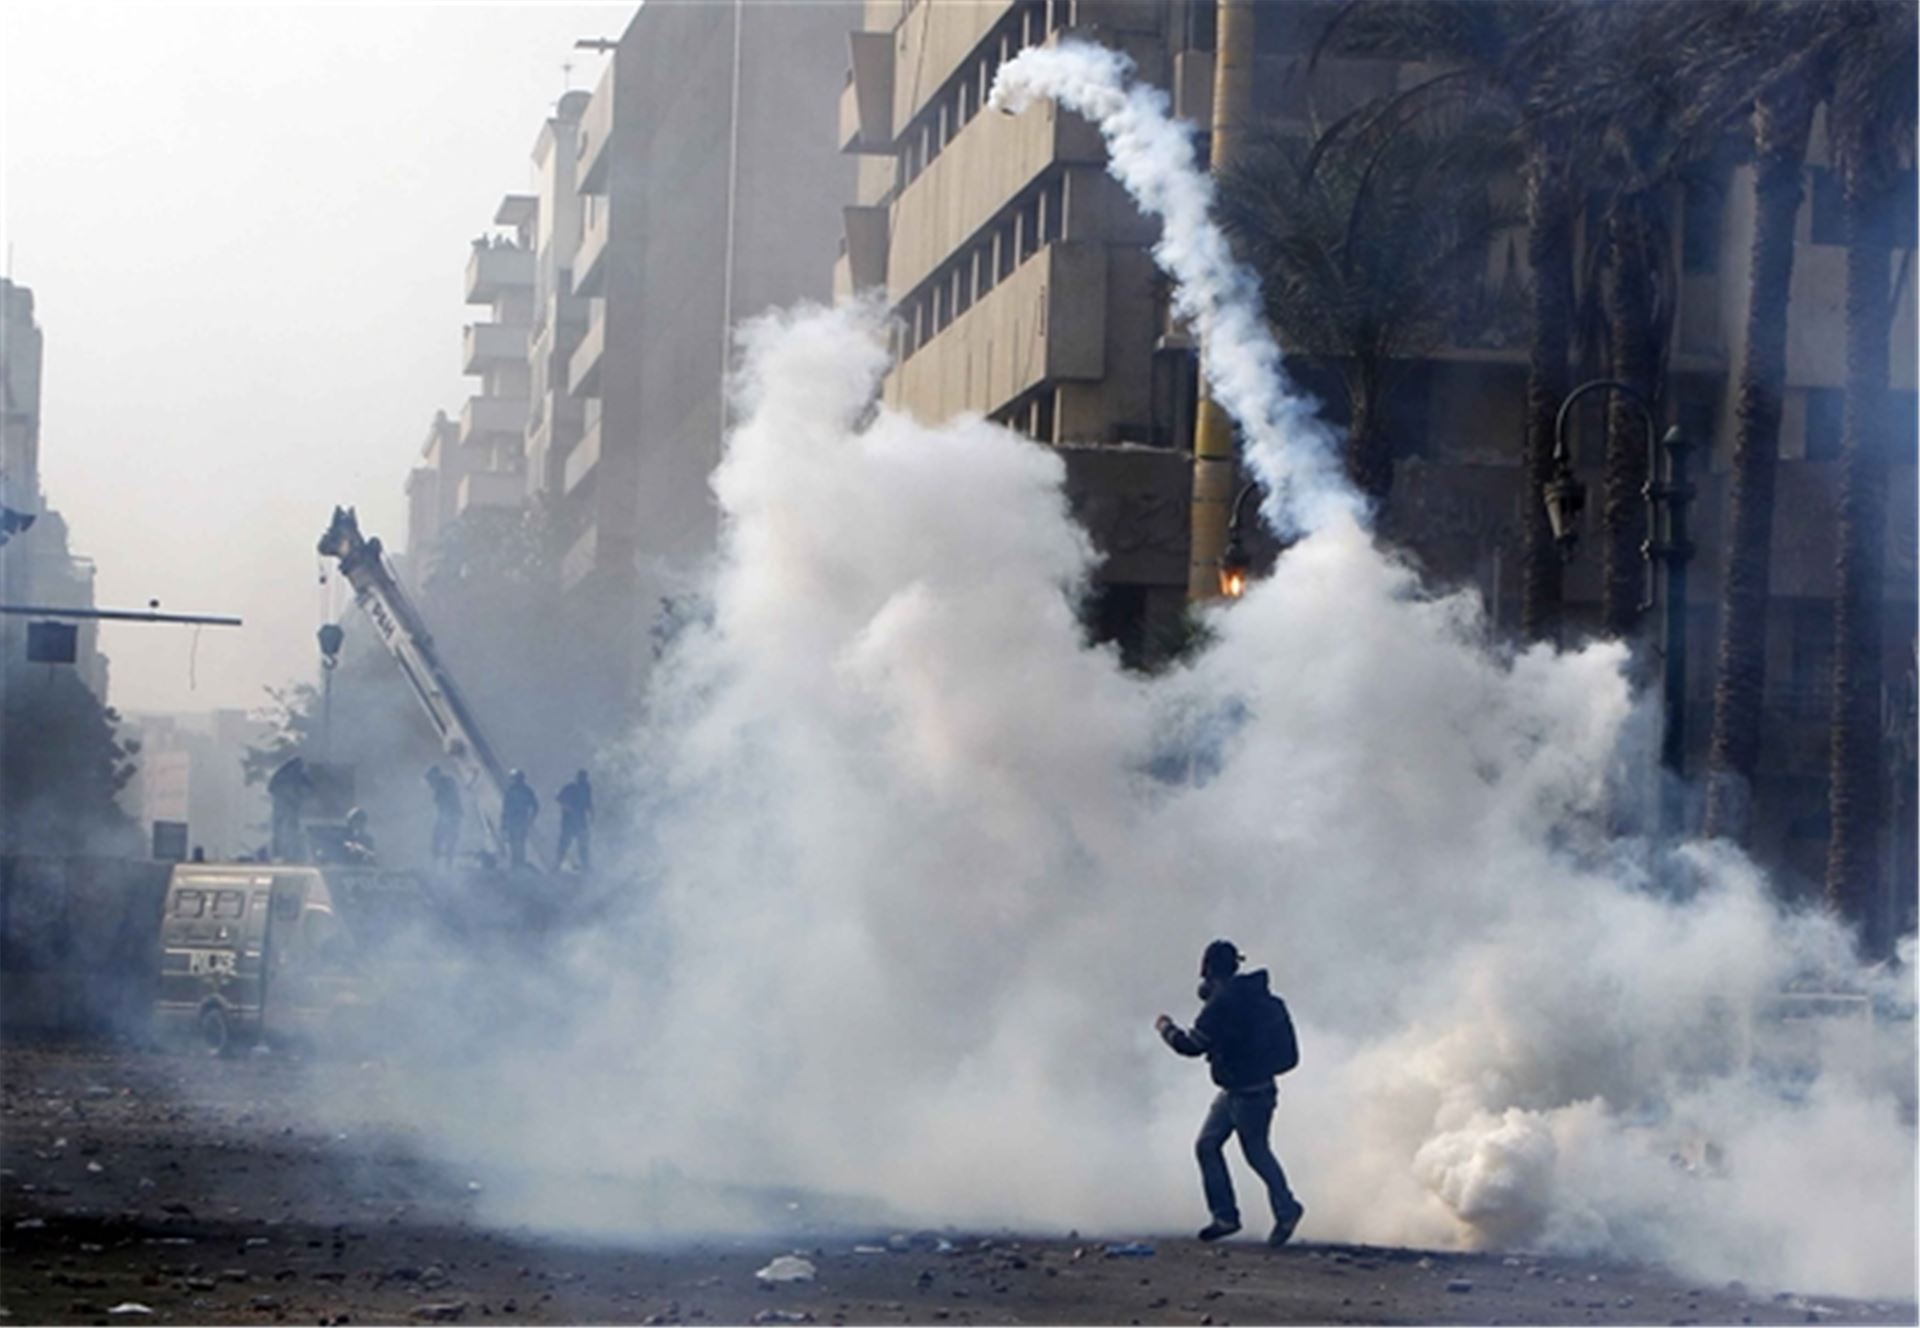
(246, 233)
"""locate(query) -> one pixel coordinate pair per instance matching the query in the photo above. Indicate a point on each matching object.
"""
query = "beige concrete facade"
(711, 190)
(1019, 272)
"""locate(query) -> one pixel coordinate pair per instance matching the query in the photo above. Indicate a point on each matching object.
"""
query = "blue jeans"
(1247, 1112)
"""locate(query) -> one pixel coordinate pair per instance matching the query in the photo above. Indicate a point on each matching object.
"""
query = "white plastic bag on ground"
(787, 1268)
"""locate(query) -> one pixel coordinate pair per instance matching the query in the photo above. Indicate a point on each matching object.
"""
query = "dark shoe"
(1218, 1230)
(1283, 1226)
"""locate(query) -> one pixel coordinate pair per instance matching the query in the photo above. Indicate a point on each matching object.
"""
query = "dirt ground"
(197, 1191)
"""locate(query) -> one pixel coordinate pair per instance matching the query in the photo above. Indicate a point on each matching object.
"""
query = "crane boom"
(404, 633)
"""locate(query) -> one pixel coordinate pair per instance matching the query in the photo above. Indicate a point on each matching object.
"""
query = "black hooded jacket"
(1224, 1032)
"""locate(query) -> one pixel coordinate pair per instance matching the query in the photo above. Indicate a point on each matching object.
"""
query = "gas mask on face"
(1207, 987)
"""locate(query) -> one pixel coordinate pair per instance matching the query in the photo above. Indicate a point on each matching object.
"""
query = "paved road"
(206, 1192)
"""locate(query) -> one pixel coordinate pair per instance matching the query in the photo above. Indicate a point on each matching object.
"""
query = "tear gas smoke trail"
(923, 866)
(1151, 154)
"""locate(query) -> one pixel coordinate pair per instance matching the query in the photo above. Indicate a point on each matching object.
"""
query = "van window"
(229, 904)
(189, 904)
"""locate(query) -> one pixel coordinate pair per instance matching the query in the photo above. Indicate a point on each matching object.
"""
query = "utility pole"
(1214, 464)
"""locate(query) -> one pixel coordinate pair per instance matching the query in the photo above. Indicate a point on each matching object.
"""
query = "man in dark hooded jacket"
(1226, 1032)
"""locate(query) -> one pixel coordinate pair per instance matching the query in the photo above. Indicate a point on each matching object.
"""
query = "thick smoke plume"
(1152, 155)
(923, 866)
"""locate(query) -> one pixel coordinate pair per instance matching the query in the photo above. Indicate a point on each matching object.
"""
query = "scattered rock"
(1624, 1303)
(782, 1316)
(1460, 1286)
(131, 1307)
(440, 1311)
(1130, 1249)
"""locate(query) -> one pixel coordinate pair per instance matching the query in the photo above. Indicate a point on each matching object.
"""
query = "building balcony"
(486, 420)
(866, 246)
(492, 488)
(976, 176)
(486, 344)
(583, 371)
(496, 271)
(582, 460)
(590, 259)
(866, 103)
(1193, 87)
(1046, 322)
(582, 560)
(596, 128)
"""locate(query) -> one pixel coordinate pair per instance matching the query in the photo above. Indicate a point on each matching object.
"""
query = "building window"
(1043, 413)
(1704, 207)
(1028, 222)
(1829, 207)
(1826, 407)
(1903, 428)
(1810, 683)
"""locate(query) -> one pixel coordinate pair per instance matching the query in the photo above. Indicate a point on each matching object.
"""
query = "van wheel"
(216, 1030)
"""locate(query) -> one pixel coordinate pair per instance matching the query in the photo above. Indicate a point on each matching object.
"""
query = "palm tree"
(1508, 56)
(1870, 120)
(1364, 253)
(1779, 39)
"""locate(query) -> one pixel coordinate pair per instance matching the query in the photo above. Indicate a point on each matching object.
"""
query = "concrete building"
(37, 566)
(493, 423)
(433, 487)
(710, 191)
(1020, 272)
(557, 417)
(1023, 290)
(189, 770)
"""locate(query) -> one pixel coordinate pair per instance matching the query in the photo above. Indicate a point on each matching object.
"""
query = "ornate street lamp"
(1236, 564)
(1666, 547)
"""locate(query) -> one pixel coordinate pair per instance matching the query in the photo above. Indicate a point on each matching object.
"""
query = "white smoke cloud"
(1152, 154)
(923, 866)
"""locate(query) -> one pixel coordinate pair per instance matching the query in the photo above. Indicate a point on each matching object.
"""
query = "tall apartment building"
(37, 566)
(433, 487)
(710, 191)
(1020, 272)
(1023, 290)
(556, 417)
(493, 422)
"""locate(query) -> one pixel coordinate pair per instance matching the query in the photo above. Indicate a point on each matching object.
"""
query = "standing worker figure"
(446, 815)
(576, 820)
(518, 807)
(289, 788)
(357, 843)
(1246, 1035)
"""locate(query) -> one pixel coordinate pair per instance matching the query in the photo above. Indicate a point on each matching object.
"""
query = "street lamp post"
(1236, 564)
(332, 637)
(1666, 550)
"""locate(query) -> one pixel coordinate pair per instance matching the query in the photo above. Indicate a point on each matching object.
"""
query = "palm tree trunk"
(1550, 255)
(1629, 307)
(1853, 858)
(1369, 455)
(1781, 125)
